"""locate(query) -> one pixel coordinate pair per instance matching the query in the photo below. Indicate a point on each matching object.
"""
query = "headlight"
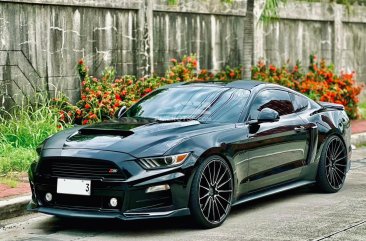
(163, 162)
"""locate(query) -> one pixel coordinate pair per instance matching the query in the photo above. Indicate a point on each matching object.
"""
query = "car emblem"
(112, 170)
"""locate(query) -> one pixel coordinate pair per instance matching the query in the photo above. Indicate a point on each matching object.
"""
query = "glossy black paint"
(262, 155)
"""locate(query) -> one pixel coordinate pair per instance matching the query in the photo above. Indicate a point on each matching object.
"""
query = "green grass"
(22, 129)
(9, 182)
(362, 107)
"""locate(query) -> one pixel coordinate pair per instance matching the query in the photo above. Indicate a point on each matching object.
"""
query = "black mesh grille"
(81, 168)
(78, 201)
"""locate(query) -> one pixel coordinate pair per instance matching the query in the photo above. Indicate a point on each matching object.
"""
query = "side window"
(277, 100)
(300, 102)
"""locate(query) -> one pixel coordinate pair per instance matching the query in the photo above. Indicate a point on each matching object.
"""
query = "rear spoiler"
(331, 105)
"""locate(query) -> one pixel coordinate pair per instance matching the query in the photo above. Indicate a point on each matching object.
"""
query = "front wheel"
(211, 192)
(332, 165)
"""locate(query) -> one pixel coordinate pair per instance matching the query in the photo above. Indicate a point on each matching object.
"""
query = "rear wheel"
(332, 165)
(211, 193)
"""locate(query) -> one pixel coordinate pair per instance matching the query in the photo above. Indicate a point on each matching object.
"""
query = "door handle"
(300, 129)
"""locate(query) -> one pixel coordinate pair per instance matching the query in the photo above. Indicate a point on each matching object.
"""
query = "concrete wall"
(41, 40)
(331, 31)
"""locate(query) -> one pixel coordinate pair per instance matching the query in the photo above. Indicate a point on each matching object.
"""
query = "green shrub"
(22, 129)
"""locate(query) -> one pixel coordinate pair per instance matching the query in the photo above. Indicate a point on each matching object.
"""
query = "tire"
(332, 165)
(211, 192)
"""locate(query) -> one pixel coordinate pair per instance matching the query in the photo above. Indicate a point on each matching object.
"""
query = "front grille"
(75, 167)
(78, 201)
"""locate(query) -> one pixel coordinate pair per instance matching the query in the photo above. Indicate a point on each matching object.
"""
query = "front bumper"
(107, 215)
(133, 200)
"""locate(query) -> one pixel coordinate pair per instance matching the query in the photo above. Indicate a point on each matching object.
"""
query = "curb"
(14, 207)
(358, 139)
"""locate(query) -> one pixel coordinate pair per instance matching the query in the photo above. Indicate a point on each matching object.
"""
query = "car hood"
(137, 137)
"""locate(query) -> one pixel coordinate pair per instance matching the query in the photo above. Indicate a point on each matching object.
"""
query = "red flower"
(272, 68)
(81, 62)
(85, 122)
(147, 90)
(118, 97)
(87, 106)
(232, 74)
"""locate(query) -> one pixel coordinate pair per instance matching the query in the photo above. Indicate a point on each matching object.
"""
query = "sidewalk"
(13, 201)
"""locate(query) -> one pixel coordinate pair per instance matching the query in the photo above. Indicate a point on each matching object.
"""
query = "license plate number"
(73, 186)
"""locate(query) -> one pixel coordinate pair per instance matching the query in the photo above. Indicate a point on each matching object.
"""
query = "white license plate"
(73, 186)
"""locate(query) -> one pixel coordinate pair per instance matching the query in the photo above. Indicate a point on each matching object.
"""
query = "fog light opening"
(48, 197)
(158, 188)
(113, 202)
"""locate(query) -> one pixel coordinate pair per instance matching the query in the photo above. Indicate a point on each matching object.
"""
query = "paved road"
(301, 214)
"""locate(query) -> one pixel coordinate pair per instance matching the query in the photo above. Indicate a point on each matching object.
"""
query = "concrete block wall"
(332, 31)
(42, 40)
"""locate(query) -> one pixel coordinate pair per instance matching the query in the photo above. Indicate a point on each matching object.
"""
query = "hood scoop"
(99, 131)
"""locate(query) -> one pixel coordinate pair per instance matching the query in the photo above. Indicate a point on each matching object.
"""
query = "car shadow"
(148, 227)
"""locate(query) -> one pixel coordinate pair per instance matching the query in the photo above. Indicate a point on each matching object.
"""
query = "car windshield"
(206, 104)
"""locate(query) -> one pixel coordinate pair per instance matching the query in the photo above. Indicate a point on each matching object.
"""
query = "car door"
(277, 151)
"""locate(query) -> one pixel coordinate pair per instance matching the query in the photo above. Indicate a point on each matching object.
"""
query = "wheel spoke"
(209, 174)
(206, 195)
(336, 168)
(223, 198)
(218, 211)
(203, 174)
(218, 173)
(214, 173)
(339, 159)
(224, 190)
(222, 176)
(341, 165)
(207, 201)
(222, 184)
(218, 201)
(205, 188)
(335, 151)
(211, 208)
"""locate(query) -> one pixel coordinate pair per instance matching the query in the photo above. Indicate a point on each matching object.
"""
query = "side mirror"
(121, 111)
(268, 115)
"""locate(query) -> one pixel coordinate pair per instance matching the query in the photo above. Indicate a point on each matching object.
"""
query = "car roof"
(239, 84)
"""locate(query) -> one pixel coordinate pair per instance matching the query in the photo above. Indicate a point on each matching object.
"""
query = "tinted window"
(300, 102)
(274, 99)
(207, 104)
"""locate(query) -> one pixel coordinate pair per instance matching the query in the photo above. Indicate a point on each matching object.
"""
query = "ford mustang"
(196, 149)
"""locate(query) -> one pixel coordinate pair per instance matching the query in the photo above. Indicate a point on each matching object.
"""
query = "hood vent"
(99, 131)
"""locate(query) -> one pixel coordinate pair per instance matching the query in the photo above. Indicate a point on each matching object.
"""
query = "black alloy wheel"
(212, 192)
(333, 165)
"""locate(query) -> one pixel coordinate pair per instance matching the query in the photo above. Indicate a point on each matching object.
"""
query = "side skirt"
(272, 191)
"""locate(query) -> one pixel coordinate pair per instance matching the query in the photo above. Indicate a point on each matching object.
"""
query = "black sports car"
(193, 148)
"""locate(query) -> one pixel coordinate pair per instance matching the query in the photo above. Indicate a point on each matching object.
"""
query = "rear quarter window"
(300, 103)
